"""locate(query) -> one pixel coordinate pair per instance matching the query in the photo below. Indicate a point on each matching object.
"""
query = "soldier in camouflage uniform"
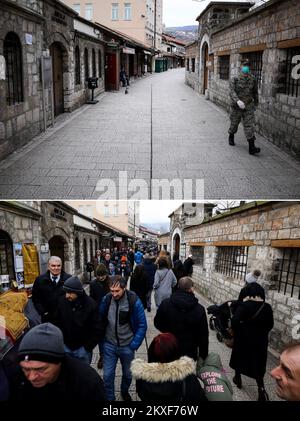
(244, 99)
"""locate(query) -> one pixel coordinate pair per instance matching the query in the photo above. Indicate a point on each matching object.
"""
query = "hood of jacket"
(163, 372)
(183, 300)
(213, 360)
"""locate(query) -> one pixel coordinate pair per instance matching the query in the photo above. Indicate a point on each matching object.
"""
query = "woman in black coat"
(166, 377)
(251, 324)
(139, 283)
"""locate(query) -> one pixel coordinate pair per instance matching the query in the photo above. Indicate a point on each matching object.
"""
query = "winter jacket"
(98, 289)
(138, 257)
(77, 381)
(140, 285)
(45, 294)
(250, 346)
(136, 315)
(188, 266)
(167, 382)
(164, 281)
(79, 322)
(182, 315)
(150, 269)
(217, 387)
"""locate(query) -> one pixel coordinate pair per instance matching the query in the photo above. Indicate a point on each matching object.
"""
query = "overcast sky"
(182, 12)
(156, 211)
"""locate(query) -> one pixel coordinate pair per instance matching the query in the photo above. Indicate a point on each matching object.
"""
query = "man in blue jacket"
(123, 313)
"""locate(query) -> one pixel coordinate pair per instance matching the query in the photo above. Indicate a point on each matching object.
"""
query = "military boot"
(252, 147)
(231, 139)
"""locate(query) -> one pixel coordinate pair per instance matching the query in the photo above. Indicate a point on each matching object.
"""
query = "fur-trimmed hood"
(163, 372)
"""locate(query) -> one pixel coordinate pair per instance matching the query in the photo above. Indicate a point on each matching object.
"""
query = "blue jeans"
(80, 353)
(111, 355)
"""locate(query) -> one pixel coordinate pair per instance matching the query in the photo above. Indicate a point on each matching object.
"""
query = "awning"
(127, 50)
(147, 52)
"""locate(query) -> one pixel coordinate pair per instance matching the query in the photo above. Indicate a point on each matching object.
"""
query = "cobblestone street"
(161, 130)
(249, 389)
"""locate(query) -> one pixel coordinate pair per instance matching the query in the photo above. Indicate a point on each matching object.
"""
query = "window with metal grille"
(289, 77)
(255, 64)
(86, 64)
(12, 50)
(91, 249)
(85, 258)
(193, 65)
(232, 261)
(187, 64)
(224, 67)
(289, 272)
(198, 255)
(77, 66)
(100, 64)
(6, 255)
(77, 254)
(94, 62)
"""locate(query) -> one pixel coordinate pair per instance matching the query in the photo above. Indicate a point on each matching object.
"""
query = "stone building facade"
(263, 236)
(269, 36)
(34, 35)
(192, 65)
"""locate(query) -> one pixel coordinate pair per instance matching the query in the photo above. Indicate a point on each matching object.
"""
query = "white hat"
(250, 278)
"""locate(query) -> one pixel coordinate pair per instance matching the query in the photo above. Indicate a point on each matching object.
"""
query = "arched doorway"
(205, 68)
(176, 243)
(6, 255)
(57, 247)
(56, 53)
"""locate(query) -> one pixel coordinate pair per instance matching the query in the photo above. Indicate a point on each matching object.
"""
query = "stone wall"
(21, 228)
(192, 78)
(274, 221)
(270, 29)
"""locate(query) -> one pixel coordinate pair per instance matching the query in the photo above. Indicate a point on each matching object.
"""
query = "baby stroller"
(220, 320)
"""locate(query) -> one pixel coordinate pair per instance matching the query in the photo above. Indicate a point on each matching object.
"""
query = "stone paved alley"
(161, 129)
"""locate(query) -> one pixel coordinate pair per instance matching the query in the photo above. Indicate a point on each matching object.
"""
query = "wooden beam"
(223, 53)
(250, 48)
(244, 243)
(285, 243)
(199, 244)
(289, 43)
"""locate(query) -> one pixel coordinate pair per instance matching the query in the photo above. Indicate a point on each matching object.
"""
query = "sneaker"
(237, 380)
(126, 396)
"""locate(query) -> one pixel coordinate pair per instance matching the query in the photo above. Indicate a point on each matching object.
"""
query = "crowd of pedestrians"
(54, 356)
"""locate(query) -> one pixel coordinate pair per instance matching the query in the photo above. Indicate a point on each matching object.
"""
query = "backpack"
(131, 297)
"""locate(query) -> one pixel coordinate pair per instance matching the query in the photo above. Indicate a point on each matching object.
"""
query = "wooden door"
(57, 247)
(57, 68)
(112, 81)
(205, 83)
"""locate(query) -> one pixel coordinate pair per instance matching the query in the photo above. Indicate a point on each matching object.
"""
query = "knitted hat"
(250, 278)
(123, 259)
(44, 343)
(73, 284)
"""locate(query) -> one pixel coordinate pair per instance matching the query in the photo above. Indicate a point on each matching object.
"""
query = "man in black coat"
(188, 266)
(182, 315)
(78, 318)
(47, 288)
(47, 374)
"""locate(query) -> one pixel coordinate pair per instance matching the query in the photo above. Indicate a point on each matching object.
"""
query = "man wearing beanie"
(78, 318)
(47, 373)
(98, 289)
(47, 288)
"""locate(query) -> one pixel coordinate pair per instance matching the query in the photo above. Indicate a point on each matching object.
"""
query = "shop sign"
(118, 239)
(127, 50)
(59, 18)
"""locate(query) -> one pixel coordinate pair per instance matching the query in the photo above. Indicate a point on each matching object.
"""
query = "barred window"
(289, 272)
(6, 255)
(77, 66)
(85, 258)
(86, 64)
(187, 64)
(77, 254)
(224, 67)
(91, 249)
(255, 60)
(193, 65)
(100, 64)
(232, 261)
(289, 69)
(12, 51)
(96, 246)
(94, 62)
(198, 255)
